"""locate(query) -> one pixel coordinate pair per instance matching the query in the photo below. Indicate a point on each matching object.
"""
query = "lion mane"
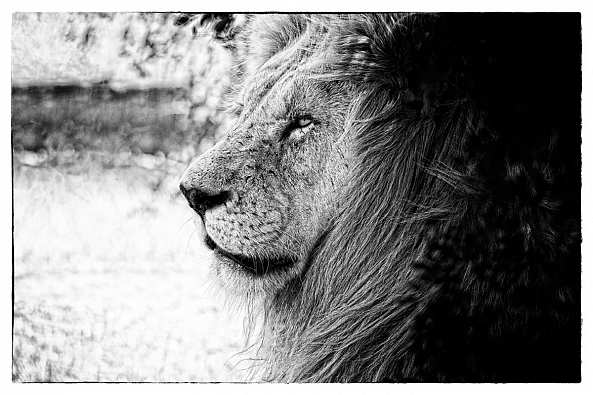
(455, 254)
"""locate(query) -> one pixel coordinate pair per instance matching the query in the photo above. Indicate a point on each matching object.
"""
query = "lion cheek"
(250, 234)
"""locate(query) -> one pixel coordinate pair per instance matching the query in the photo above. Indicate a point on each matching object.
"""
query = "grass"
(108, 285)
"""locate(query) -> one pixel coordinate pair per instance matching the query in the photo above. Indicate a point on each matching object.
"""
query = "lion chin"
(243, 277)
(253, 266)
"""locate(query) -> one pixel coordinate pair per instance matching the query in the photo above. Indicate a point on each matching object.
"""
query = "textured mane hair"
(455, 255)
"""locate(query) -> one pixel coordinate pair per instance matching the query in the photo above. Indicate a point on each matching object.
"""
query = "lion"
(399, 198)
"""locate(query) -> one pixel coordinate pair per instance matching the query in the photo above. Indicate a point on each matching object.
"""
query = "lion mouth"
(256, 266)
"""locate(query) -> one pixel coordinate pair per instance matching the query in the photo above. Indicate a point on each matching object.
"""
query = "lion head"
(268, 189)
(400, 195)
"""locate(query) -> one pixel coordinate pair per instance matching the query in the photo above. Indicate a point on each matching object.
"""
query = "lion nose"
(200, 200)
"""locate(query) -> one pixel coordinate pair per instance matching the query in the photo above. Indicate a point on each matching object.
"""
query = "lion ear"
(266, 35)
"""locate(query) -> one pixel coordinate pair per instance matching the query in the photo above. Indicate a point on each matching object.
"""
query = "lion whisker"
(189, 240)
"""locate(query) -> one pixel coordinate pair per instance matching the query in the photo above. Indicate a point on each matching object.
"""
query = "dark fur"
(456, 253)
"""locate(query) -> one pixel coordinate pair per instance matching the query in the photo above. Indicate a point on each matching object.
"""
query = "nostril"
(200, 201)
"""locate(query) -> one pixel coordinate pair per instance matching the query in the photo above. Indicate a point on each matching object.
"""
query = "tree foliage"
(125, 51)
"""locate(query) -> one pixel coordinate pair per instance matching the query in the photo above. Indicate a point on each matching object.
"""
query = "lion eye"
(298, 128)
(303, 122)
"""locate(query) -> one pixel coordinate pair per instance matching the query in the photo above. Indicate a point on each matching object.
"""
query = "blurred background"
(108, 109)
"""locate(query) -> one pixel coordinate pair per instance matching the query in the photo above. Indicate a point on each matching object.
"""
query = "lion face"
(265, 192)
